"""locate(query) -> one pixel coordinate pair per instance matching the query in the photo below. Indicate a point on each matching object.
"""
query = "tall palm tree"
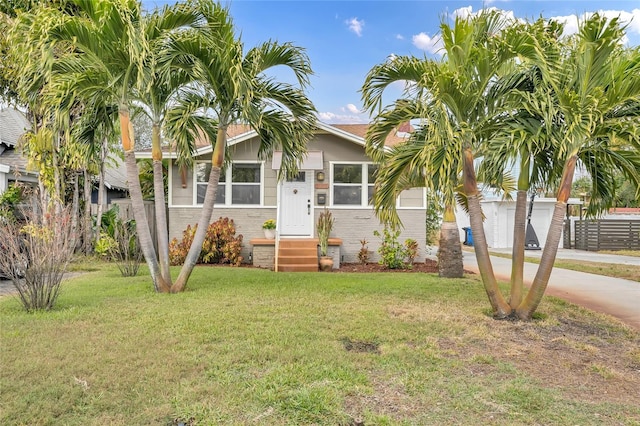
(155, 99)
(233, 87)
(588, 105)
(454, 93)
(106, 50)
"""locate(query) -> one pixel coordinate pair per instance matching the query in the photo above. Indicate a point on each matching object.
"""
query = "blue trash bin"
(468, 236)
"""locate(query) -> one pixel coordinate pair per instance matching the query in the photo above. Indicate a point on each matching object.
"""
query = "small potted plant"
(324, 226)
(269, 227)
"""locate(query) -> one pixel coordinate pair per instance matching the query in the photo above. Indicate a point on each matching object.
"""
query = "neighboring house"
(336, 174)
(115, 182)
(13, 166)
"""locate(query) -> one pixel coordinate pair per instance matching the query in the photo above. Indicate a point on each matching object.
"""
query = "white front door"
(296, 205)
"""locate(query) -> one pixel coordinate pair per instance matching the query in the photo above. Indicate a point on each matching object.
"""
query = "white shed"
(499, 216)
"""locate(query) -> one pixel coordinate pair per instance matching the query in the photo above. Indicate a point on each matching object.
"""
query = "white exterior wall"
(499, 220)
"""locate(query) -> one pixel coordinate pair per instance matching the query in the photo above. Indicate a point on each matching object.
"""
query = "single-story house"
(13, 166)
(336, 174)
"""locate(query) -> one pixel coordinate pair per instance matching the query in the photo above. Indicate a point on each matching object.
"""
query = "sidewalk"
(614, 296)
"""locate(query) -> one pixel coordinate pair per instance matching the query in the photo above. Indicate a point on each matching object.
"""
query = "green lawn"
(249, 346)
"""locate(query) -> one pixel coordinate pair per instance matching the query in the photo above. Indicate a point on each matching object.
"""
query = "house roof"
(360, 130)
(13, 124)
(115, 175)
(14, 159)
(241, 132)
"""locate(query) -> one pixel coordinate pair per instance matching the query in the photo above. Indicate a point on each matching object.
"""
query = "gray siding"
(352, 224)
(414, 197)
(355, 225)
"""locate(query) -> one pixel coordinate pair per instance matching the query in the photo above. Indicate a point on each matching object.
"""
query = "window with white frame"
(353, 183)
(240, 184)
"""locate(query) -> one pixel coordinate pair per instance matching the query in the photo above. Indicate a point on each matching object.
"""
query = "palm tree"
(155, 100)
(455, 107)
(403, 166)
(587, 104)
(106, 49)
(231, 88)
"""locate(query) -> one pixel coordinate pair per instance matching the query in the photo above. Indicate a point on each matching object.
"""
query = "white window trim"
(364, 202)
(228, 184)
(364, 193)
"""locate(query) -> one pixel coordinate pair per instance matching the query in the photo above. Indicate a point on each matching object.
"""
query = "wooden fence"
(125, 210)
(607, 234)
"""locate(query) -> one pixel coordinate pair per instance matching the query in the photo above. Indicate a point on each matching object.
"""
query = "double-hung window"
(240, 184)
(353, 183)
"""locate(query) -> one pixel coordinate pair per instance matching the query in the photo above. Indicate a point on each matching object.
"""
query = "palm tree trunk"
(201, 232)
(541, 280)
(449, 251)
(137, 203)
(88, 228)
(75, 208)
(101, 188)
(57, 180)
(160, 206)
(217, 159)
(517, 254)
(501, 308)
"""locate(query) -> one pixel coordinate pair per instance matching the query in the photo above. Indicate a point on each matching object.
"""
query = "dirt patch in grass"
(582, 358)
(360, 346)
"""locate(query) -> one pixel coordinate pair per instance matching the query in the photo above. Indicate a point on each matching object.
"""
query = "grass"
(248, 346)
(629, 272)
(632, 253)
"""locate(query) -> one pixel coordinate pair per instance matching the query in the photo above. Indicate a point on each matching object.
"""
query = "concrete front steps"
(298, 255)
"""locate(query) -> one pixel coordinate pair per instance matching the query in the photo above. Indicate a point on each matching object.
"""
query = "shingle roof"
(13, 124)
(357, 130)
(115, 175)
(360, 130)
(14, 159)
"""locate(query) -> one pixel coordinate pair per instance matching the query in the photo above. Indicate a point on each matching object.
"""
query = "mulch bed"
(428, 265)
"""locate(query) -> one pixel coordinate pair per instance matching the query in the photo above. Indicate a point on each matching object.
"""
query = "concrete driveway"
(614, 296)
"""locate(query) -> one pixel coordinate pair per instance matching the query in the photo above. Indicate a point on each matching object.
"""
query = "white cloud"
(355, 25)
(463, 12)
(352, 116)
(425, 42)
(399, 37)
(631, 19)
(351, 108)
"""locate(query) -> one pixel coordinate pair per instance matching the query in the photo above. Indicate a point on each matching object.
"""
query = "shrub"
(126, 252)
(35, 255)
(411, 249)
(9, 201)
(178, 249)
(392, 253)
(363, 254)
(119, 243)
(220, 244)
(433, 219)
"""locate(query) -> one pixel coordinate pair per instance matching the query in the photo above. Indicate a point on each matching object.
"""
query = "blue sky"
(345, 39)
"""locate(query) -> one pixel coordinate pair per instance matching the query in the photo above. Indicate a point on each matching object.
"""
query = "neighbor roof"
(13, 124)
